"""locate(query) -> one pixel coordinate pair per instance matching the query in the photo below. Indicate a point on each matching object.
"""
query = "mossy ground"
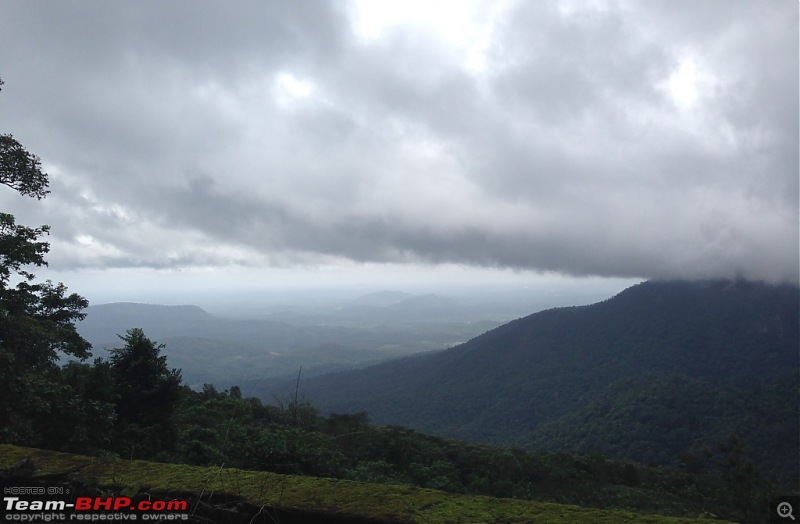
(375, 501)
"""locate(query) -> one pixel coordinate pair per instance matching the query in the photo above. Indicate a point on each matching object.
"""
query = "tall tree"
(148, 391)
(37, 319)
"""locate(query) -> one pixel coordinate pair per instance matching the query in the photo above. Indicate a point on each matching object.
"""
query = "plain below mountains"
(658, 374)
(276, 344)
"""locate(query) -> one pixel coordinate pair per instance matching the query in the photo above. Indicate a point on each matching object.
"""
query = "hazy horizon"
(525, 297)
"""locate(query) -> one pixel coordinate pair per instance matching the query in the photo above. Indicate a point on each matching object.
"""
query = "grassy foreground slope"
(338, 499)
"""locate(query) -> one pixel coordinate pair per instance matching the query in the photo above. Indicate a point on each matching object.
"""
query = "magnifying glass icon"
(785, 510)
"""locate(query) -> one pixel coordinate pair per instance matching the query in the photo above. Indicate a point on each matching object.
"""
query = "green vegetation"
(146, 394)
(37, 319)
(382, 503)
(676, 419)
(213, 428)
(221, 427)
(662, 370)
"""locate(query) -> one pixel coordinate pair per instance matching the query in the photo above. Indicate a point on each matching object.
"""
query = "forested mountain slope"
(661, 369)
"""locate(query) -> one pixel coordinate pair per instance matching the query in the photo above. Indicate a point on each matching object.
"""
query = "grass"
(388, 503)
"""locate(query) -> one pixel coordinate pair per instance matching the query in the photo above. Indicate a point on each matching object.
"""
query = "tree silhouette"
(147, 394)
(37, 319)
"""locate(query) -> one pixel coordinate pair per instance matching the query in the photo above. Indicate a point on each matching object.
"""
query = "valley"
(669, 398)
(266, 338)
(658, 374)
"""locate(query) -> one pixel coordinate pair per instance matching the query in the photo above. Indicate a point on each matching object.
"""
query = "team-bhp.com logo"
(95, 504)
(19, 508)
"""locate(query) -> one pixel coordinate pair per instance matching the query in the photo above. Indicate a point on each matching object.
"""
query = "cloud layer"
(603, 138)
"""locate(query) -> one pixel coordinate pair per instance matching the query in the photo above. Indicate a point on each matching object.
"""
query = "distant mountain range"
(256, 351)
(382, 298)
(655, 374)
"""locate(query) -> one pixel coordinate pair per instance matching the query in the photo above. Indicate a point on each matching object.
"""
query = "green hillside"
(673, 416)
(661, 369)
(135, 406)
(270, 497)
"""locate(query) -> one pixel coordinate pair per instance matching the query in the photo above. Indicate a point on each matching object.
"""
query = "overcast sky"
(190, 142)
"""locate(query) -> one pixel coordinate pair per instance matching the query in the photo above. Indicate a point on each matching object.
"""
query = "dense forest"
(655, 374)
(134, 406)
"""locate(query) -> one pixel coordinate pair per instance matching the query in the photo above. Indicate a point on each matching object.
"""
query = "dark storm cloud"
(262, 133)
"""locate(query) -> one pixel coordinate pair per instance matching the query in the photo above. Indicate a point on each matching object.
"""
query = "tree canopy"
(21, 170)
(37, 319)
(147, 392)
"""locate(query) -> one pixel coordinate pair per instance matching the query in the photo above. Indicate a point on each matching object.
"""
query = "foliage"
(667, 418)
(37, 320)
(314, 497)
(661, 369)
(21, 170)
(147, 392)
(140, 399)
(121, 404)
(90, 406)
(220, 427)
